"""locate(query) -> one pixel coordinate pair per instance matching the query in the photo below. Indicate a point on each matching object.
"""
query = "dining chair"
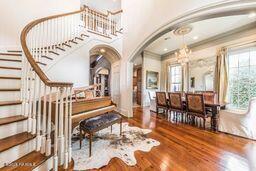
(161, 102)
(210, 96)
(196, 106)
(176, 105)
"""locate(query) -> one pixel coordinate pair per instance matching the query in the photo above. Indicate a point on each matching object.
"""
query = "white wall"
(16, 14)
(103, 5)
(151, 62)
(75, 67)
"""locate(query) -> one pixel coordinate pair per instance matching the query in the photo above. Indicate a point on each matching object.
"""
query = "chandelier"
(182, 55)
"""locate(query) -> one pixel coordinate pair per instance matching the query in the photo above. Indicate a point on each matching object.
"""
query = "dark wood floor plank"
(186, 147)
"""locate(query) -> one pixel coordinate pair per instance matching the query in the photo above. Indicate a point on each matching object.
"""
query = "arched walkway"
(113, 56)
(222, 9)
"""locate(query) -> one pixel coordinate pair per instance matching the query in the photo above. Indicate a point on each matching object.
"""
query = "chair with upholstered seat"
(161, 102)
(196, 106)
(239, 122)
(176, 104)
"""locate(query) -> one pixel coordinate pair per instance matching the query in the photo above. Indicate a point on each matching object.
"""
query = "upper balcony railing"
(105, 24)
(38, 39)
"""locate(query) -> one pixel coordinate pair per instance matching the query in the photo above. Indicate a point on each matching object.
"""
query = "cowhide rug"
(107, 145)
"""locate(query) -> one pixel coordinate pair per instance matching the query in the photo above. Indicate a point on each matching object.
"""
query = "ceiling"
(201, 30)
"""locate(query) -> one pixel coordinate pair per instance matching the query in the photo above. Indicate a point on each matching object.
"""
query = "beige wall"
(208, 52)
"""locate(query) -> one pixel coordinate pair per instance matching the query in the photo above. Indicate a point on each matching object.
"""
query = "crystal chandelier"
(182, 55)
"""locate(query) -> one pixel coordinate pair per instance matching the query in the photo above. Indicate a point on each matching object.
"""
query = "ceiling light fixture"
(252, 15)
(182, 55)
(195, 37)
(165, 49)
(102, 50)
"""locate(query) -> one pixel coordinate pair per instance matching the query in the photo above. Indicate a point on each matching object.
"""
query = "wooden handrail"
(29, 56)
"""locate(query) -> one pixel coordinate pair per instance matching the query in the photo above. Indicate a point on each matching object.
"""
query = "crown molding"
(151, 55)
(240, 32)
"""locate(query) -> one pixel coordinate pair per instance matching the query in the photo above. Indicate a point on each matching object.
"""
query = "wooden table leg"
(215, 118)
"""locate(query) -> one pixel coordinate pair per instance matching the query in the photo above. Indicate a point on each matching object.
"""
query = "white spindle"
(49, 122)
(43, 147)
(38, 119)
(55, 157)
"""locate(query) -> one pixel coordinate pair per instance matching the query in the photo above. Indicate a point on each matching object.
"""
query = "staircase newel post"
(34, 105)
(61, 128)
(38, 120)
(66, 127)
(55, 157)
(43, 147)
(70, 127)
(30, 100)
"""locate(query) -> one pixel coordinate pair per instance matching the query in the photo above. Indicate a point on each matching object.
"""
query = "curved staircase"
(30, 139)
(16, 143)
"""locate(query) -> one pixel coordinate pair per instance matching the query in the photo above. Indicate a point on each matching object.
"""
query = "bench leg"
(121, 127)
(90, 145)
(81, 138)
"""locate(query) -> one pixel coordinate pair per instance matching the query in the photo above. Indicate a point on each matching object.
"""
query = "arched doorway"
(222, 9)
(105, 69)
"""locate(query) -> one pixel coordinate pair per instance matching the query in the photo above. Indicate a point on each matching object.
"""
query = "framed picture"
(152, 79)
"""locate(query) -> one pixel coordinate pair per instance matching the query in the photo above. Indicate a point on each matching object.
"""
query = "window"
(176, 78)
(242, 77)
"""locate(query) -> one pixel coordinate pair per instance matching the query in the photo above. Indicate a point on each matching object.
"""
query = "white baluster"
(55, 158)
(49, 122)
(61, 135)
(43, 147)
(38, 120)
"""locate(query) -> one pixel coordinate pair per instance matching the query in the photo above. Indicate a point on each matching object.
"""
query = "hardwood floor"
(186, 147)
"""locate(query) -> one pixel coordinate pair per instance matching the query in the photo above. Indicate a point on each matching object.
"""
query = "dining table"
(215, 107)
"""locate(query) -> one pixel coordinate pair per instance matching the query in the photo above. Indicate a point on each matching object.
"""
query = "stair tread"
(12, 78)
(9, 89)
(10, 60)
(14, 51)
(10, 54)
(35, 158)
(12, 68)
(7, 103)
(14, 140)
(8, 120)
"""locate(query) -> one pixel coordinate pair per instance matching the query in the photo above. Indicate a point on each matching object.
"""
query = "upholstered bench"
(95, 124)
